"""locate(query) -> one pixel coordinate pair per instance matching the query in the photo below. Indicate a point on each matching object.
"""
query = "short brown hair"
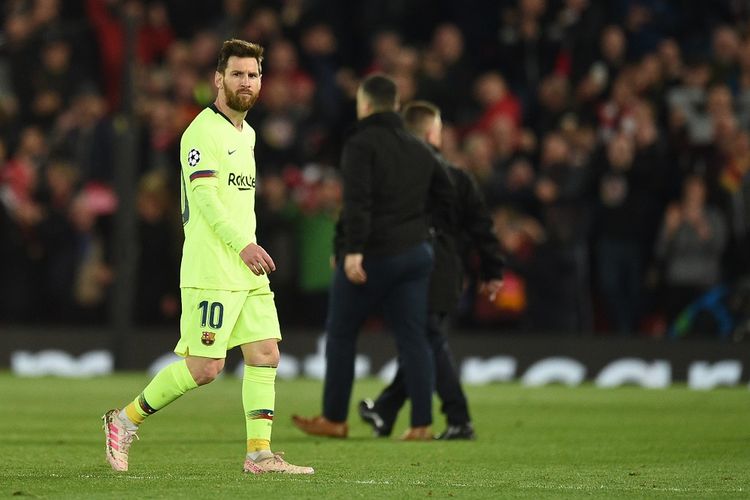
(239, 48)
(419, 115)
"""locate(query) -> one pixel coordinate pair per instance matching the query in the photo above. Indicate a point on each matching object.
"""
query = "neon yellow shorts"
(214, 321)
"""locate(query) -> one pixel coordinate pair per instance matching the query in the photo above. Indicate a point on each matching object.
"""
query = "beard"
(239, 102)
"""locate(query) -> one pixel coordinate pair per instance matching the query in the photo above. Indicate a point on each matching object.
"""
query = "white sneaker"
(117, 439)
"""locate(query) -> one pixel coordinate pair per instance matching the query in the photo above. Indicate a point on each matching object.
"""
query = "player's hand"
(353, 268)
(491, 288)
(257, 259)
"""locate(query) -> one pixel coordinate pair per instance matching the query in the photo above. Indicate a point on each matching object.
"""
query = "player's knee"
(205, 377)
(272, 358)
(263, 354)
(268, 357)
(207, 372)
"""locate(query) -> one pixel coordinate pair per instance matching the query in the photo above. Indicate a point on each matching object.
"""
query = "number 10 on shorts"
(212, 313)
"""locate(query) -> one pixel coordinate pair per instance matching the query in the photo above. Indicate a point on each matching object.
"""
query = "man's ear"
(367, 105)
(218, 80)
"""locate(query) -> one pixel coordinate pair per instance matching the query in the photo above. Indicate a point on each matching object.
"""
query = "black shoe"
(367, 412)
(463, 431)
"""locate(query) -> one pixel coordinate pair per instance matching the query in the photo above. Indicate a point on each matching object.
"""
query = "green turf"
(553, 442)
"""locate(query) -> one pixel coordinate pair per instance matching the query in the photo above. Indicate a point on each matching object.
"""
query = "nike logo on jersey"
(231, 152)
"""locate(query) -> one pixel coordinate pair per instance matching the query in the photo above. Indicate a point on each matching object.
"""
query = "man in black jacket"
(472, 231)
(393, 185)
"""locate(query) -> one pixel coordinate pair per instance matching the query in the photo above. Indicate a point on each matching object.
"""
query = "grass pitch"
(552, 442)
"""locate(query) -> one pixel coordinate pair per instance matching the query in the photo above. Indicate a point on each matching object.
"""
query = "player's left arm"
(253, 255)
(201, 172)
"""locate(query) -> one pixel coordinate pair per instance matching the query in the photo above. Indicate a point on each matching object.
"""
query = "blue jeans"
(397, 283)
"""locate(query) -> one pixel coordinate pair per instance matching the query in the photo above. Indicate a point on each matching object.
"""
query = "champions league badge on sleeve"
(194, 157)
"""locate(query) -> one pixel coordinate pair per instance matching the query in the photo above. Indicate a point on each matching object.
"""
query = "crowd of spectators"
(610, 140)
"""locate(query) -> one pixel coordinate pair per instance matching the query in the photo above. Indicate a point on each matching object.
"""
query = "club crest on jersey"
(194, 157)
(208, 338)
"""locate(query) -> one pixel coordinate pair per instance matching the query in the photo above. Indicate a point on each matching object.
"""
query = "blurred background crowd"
(610, 140)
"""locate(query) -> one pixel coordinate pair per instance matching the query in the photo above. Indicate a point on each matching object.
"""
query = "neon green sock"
(169, 384)
(258, 398)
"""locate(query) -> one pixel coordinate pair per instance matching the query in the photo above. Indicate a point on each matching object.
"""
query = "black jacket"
(472, 231)
(392, 185)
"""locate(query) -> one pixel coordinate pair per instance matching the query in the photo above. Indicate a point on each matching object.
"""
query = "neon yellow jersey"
(218, 203)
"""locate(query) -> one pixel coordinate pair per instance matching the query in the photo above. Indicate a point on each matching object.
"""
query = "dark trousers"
(447, 382)
(398, 284)
(619, 275)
